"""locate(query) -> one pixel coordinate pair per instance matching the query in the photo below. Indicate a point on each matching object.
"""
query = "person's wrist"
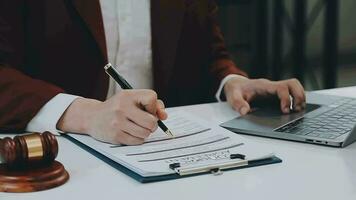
(78, 116)
(233, 82)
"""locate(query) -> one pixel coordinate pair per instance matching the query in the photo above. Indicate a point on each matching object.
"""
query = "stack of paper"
(196, 143)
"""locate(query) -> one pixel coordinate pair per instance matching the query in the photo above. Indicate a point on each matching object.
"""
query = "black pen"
(125, 85)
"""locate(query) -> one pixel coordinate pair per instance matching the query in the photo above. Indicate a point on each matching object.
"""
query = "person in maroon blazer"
(59, 47)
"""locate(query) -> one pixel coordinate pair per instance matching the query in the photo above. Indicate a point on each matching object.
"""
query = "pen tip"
(168, 132)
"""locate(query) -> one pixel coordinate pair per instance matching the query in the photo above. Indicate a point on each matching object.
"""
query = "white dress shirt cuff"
(222, 84)
(46, 119)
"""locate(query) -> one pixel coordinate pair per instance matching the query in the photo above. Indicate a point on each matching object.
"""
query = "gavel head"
(24, 150)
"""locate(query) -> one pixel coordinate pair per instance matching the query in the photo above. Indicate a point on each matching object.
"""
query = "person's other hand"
(240, 91)
(126, 118)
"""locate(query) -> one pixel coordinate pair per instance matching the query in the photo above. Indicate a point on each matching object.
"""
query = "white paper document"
(196, 143)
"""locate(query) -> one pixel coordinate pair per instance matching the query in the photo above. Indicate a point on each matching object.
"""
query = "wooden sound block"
(32, 179)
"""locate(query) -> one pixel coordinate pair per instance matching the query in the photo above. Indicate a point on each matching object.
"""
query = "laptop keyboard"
(331, 124)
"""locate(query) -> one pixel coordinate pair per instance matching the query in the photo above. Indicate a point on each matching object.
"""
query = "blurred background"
(313, 40)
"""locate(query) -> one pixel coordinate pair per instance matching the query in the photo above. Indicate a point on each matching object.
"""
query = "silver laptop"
(327, 120)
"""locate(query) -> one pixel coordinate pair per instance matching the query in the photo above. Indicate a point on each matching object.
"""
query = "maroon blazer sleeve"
(21, 96)
(222, 64)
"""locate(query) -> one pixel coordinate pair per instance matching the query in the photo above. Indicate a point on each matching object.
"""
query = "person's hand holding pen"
(126, 118)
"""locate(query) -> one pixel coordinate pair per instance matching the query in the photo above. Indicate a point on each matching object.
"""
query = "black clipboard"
(150, 179)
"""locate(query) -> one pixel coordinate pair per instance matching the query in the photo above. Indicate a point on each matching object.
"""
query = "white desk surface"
(307, 172)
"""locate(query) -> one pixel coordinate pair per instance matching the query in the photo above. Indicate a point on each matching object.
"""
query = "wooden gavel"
(30, 149)
(27, 163)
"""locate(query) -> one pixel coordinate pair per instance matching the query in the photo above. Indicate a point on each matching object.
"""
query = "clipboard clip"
(215, 169)
(216, 172)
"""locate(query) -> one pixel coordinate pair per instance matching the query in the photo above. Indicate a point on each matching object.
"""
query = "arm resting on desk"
(49, 115)
(21, 98)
